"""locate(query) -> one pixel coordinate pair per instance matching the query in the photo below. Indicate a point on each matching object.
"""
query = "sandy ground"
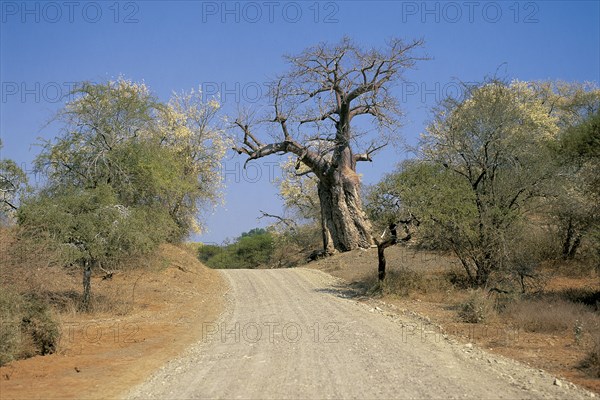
(101, 356)
(297, 333)
(300, 334)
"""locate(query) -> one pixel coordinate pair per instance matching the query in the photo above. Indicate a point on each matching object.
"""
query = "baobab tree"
(312, 113)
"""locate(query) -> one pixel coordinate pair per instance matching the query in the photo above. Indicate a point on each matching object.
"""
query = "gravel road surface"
(297, 333)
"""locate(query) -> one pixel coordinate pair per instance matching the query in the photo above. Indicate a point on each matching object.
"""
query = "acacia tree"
(577, 205)
(126, 173)
(577, 108)
(433, 200)
(12, 182)
(298, 190)
(90, 228)
(490, 160)
(313, 110)
(118, 133)
(496, 143)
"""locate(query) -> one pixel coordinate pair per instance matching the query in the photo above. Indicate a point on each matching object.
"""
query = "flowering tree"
(109, 132)
(497, 142)
(12, 182)
(126, 173)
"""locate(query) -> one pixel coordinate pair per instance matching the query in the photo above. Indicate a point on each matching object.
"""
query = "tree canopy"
(486, 162)
(126, 173)
(13, 181)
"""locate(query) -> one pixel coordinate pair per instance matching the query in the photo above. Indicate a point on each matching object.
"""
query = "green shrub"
(251, 250)
(208, 251)
(254, 250)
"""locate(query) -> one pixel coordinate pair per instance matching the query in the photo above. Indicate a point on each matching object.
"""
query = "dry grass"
(404, 282)
(478, 308)
(573, 268)
(10, 337)
(552, 316)
(29, 326)
(36, 293)
(591, 362)
(173, 294)
(568, 312)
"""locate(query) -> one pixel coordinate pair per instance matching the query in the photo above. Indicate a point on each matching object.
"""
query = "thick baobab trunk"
(345, 224)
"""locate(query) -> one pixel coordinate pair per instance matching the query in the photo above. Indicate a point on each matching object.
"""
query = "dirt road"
(297, 334)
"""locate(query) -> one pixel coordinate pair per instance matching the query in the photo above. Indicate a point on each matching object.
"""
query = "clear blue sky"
(232, 48)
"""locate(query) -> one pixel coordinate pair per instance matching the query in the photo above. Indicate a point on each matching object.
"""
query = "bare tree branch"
(290, 223)
(366, 156)
(326, 87)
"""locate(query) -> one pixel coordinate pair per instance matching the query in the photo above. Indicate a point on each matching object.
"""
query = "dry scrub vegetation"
(555, 327)
(37, 293)
(35, 267)
(139, 319)
(29, 325)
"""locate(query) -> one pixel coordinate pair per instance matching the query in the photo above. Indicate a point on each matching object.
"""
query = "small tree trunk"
(382, 262)
(381, 251)
(567, 241)
(482, 273)
(574, 247)
(87, 285)
(571, 242)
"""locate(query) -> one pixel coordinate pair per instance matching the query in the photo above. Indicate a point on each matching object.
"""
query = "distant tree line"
(251, 249)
